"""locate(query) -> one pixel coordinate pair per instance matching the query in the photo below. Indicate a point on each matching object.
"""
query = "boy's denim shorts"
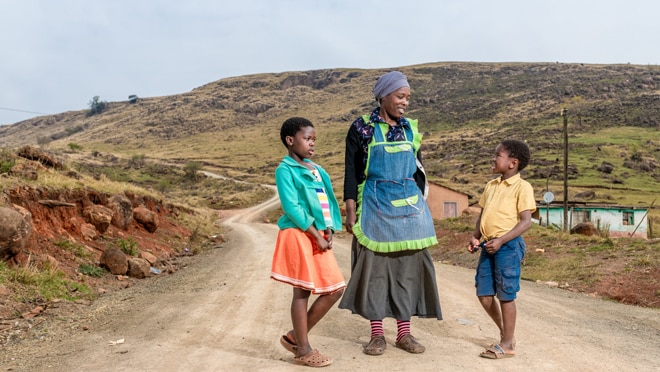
(499, 274)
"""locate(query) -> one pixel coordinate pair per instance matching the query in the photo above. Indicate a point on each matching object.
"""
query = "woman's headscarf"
(388, 83)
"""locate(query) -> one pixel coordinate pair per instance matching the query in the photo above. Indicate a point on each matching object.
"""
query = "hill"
(231, 128)
(231, 125)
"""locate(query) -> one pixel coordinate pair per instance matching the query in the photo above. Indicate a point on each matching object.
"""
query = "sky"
(56, 56)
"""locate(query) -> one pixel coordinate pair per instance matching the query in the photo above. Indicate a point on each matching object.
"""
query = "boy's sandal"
(496, 352)
(313, 359)
(288, 344)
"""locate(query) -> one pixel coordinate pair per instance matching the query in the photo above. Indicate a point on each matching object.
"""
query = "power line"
(17, 110)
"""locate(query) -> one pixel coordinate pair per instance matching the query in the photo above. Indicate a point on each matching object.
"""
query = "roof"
(586, 205)
(449, 188)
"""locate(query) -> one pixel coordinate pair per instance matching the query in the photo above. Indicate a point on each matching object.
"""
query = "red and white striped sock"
(403, 328)
(377, 328)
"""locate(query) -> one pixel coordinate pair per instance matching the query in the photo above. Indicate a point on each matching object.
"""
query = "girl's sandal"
(313, 359)
(288, 344)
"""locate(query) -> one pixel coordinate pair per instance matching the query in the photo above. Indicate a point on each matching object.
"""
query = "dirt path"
(223, 313)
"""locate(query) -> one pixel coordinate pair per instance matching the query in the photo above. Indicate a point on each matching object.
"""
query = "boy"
(507, 204)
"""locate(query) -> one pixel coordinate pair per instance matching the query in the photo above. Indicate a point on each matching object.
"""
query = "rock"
(24, 170)
(585, 228)
(589, 194)
(15, 231)
(606, 167)
(149, 257)
(218, 238)
(146, 218)
(99, 216)
(115, 261)
(29, 152)
(122, 211)
(88, 231)
(32, 313)
(138, 268)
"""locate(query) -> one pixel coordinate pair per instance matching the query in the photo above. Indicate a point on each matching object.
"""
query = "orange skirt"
(297, 261)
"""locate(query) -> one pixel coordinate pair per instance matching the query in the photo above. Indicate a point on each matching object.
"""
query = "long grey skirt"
(396, 285)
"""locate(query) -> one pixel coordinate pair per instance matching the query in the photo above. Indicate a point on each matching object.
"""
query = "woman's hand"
(351, 217)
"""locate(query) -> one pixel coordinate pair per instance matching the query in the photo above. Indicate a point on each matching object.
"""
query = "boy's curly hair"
(291, 126)
(517, 150)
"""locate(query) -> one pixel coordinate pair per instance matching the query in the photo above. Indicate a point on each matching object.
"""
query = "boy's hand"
(473, 245)
(493, 246)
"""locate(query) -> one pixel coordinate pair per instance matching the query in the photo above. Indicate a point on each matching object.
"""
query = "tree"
(191, 169)
(96, 106)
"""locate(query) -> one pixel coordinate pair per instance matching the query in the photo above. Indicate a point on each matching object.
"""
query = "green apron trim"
(391, 247)
(407, 201)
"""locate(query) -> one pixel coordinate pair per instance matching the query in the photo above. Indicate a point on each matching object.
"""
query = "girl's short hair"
(292, 126)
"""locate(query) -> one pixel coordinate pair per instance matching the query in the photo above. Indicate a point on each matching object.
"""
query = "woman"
(392, 272)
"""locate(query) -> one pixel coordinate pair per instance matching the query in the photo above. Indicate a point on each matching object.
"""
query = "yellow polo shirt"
(502, 202)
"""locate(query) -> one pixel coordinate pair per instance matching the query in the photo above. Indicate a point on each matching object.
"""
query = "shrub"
(137, 161)
(91, 270)
(43, 141)
(76, 249)
(7, 160)
(74, 146)
(128, 246)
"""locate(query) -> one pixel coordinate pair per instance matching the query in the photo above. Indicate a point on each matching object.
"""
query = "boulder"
(585, 228)
(88, 231)
(32, 153)
(589, 194)
(138, 268)
(24, 170)
(115, 261)
(149, 257)
(122, 211)
(99, 216)
(606, 167)
(146, 218)
(15, 230)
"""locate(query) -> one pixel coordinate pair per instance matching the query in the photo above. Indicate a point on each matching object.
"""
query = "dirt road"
(223, 313)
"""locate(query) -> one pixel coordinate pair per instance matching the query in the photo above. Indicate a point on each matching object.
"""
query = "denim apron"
(392, 214)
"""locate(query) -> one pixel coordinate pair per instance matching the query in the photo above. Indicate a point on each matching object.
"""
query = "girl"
(303, 257)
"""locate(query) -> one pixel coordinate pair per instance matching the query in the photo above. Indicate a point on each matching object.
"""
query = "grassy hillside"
(231, 125)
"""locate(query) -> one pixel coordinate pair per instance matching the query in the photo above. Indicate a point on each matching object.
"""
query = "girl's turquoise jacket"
(296, 187)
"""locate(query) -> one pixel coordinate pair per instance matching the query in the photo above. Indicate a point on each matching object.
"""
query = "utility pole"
(564, 113)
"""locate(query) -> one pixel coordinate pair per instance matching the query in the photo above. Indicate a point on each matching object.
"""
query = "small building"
(445, 202)
(620, 221)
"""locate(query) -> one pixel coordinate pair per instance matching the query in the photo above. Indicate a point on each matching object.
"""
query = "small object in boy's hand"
(476, 247)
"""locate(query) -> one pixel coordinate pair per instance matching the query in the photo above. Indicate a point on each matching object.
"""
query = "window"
(628, 218)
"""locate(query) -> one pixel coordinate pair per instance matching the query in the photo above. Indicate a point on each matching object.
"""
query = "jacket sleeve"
(353, 167)
(290, 198)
